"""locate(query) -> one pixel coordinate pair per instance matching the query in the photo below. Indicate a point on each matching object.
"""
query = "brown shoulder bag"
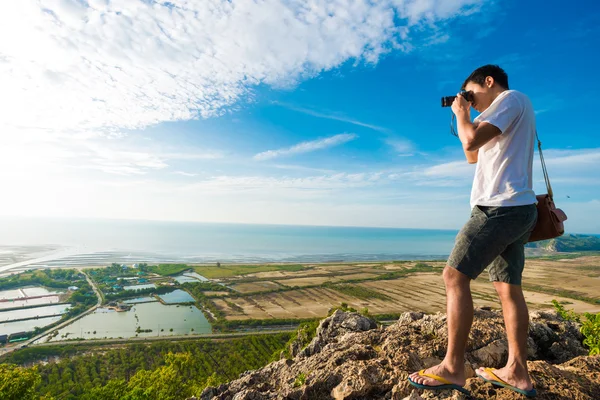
(550, 219)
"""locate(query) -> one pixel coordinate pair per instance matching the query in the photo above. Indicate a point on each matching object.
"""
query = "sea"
(72, 242)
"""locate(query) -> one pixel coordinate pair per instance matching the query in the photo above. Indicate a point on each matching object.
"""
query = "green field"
(168, 269)
(229, 271)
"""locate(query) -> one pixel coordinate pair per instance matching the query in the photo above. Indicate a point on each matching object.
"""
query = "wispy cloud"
(333, 116)
(579, 158)
(262, 183)
(306, 147)
(36, 152)
(401, 146)
(129, 64)
(184, 173)
(302, 168)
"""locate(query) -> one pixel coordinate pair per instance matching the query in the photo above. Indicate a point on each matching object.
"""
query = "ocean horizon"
(91, 241)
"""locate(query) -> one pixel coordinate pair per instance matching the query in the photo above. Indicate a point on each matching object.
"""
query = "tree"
(18, 383)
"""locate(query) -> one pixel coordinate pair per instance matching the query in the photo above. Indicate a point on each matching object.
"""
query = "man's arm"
(472, 156)
(472, 135)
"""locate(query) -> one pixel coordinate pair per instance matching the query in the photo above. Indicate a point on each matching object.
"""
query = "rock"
(350, 359)
(413, 396)
(249, 395)
(494, 353)
(334, 326)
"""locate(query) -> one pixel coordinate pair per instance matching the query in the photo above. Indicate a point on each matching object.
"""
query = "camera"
(447, 101)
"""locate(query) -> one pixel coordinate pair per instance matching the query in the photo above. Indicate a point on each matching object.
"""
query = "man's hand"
(461, 107)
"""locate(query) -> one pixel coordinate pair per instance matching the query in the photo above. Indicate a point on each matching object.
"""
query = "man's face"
(482, 95)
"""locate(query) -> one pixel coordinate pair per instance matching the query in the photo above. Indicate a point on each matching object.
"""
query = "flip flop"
(499, 382)
(447, 385)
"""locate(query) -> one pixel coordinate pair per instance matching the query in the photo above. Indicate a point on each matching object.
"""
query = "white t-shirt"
(503, 176)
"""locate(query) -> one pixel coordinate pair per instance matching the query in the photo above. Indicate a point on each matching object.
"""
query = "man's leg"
(516, 319)
(459, 308)
(506, 272)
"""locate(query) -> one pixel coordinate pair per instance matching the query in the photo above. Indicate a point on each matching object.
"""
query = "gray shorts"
(494, 237)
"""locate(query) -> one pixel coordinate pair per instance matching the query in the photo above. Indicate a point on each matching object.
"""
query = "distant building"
(123, 266)
(134, 265)
(73, 288)
(3, 339)
(122, 307)
(17, 336)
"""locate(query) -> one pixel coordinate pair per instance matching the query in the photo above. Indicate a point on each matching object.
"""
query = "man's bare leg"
(459, 309)
(516, 319)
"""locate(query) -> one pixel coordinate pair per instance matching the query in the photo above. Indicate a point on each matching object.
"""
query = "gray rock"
(349, 359)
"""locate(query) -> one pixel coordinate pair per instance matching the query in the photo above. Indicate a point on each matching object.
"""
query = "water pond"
(137, 287)
(163, 320)
(177, 296)
(6, 316)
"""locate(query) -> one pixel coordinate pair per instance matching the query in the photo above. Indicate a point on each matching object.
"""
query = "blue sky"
(279, 112)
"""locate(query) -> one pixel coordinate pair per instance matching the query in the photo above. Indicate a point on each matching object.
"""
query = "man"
(501, 141)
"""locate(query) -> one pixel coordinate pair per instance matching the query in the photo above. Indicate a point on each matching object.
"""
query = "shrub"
(590, 326)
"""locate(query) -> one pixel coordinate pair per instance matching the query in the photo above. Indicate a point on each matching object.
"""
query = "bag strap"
(544, 170)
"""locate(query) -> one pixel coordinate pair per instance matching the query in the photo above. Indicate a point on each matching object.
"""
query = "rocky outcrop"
(352, 358)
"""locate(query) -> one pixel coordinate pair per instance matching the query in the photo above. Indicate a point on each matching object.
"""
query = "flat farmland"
(300, 303)
(386, 288)
(317, 280)
(255, 286)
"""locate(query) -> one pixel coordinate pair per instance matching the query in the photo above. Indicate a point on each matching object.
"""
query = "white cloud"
(306, 147)
(184, 173)
(333, 116)
(580, 158)
(450, 170)
(36, 152)
(268, 184)
(69, 64)
(402, 147)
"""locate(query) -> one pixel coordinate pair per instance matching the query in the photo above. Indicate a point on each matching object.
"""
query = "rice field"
(544, 280)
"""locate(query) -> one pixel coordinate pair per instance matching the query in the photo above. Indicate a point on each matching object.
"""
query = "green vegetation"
(569, 243)
(590, 326)
(386, 317)
(300, 380)
(18, 383)
(571, 294)
(356, 291)
(210, 310)
(224, 325)
(168, 269)
(566, 256)
(163, 370)
(228, 271)
(116, 271)
(51, 278)
(234, 306)
(124, 294)
(208, 287)
(304, 335)
(594, 268)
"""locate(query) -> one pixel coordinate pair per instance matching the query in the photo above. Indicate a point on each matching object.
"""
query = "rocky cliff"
(352, 358)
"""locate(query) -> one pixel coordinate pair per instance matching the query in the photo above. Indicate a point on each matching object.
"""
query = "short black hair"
(478, 76)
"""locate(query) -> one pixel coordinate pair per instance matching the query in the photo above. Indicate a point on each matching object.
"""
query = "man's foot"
(519, 380)
(455, 377)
